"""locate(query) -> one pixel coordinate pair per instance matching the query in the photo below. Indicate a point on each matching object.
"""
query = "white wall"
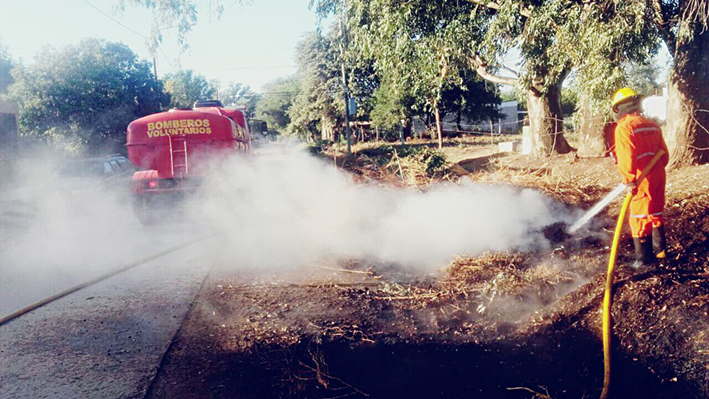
(656, 106)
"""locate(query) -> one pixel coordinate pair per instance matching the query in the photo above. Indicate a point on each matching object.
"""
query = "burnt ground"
(502, 325)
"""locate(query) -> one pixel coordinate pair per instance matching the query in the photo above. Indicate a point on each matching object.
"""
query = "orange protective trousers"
(637, 140)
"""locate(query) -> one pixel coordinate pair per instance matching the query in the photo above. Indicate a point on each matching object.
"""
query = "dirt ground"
(502, 325)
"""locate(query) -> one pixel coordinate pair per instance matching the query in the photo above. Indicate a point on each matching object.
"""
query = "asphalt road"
(107, 340)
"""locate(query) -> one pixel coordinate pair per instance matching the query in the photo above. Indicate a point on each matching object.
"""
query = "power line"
(166, 58)
(131, 30)
(114, 20)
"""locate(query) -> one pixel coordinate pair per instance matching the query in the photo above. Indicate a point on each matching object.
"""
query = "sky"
(252, 43)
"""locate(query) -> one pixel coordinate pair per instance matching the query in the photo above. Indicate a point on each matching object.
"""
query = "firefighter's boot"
(643, 252)
(659, 242)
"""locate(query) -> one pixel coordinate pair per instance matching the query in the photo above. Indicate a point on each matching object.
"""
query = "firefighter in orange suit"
(637, 140)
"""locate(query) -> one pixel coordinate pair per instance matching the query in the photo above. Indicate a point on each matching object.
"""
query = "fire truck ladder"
(178, 156)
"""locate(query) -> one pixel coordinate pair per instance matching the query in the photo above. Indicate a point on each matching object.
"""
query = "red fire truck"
(173, 149)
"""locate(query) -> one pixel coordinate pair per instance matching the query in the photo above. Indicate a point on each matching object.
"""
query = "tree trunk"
(547, 122)
(428, 123)
(408, 127)
(328, 125)
(594, 141)
(687, 128)
(439, 128)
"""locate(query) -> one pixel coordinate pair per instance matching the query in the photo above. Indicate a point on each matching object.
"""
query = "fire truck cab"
(173, 150)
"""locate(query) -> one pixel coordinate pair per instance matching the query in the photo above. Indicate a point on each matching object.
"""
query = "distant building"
(509, 119)
(509, 122)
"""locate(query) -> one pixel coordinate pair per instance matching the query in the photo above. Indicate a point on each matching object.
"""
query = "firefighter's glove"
(631, 188)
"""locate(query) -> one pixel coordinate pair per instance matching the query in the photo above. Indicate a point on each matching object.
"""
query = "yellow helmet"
(623, 95)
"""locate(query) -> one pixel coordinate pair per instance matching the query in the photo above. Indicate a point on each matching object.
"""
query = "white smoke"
(295, 209)
(279, 213)
(55, 233)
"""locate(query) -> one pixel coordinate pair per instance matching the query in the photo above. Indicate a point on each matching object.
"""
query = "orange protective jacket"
(637, 140)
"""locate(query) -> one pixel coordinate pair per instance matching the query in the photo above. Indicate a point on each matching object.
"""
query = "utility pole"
(346, 91)
(155, 67)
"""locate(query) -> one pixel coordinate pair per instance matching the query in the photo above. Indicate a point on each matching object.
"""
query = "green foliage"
(508, 95)
(318, 109)
(237, 94)
(643, 77)
(276, 101)
(6, 65)
(430, 160)
(609, 38)
(415, 45)
(168, 14)
(85, 95)
(319, 74)
(472, 98)
(569, 101)
(515, 95)
(390, 106)
(362, 81)
(433, 160)
(185, 87)
(420, 51)
(680, 22)
(421, 48)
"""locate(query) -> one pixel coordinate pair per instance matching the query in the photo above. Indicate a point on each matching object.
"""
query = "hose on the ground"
(608, 297)
(607, 300)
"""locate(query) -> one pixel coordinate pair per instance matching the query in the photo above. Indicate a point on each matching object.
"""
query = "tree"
(85, 95)
(643, 77)
(629, 29)
(450, 33)
(606, 38)
(237, 94)
(471, 98)
(391, 106)
(684, 27)
(6, 65)
(437, 68)
(277, 98)
(614, 34)
(416, 50)
(543, 34)
(181, 14)
(185, 87)
(515, 95)
(316, 111)
(554, 38)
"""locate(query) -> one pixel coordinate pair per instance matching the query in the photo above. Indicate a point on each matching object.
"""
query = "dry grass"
(571, 180)
(395, 166)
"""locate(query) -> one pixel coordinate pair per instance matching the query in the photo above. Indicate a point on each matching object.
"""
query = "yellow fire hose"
(608, 297)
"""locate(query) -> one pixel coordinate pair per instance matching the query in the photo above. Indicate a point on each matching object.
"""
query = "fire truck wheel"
(142, 210)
